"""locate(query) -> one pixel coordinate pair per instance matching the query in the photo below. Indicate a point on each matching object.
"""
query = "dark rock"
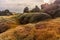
(26, 10)
(36, 9)
(5, 13)
(32, 18)
(3, 27)
(39, 17)
(57, 13)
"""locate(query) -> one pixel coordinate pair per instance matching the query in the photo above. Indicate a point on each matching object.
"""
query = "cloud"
(18, 5)
(19, 1)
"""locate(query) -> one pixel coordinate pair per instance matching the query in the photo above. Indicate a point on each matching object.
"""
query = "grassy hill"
(43, 30)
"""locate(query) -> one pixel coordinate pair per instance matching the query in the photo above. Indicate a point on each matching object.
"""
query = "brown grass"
(45, 30)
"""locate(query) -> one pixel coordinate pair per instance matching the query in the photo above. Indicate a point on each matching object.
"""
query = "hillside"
(43, 30)
(19, 20)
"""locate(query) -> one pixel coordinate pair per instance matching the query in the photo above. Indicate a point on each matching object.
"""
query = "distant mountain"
(52, 9)
(57, 2)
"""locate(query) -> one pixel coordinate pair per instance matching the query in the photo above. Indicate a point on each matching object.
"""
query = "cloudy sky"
(18, 5)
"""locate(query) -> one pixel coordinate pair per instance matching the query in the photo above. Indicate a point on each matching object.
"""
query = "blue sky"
(18, 5)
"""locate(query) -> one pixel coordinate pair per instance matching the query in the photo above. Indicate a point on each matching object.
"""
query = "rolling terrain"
(42, 30)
